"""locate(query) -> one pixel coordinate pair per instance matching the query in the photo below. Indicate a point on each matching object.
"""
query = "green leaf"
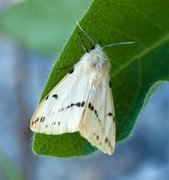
(135, 68)
(41, 25)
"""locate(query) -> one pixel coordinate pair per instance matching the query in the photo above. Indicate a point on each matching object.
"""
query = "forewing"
(98, 124)
(62, 109)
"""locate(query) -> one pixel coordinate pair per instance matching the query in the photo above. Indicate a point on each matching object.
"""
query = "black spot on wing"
(47, 97)
(110, 114)
(55, 96)
(36, 120)
(106, 140)
(96, 113)
(71, 71)
(91, 107)
(42, 119)
(83, 103)
(78, 104)
(110, 84)
(109, 144)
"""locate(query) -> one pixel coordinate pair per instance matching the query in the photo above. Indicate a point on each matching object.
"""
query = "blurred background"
(145, 155)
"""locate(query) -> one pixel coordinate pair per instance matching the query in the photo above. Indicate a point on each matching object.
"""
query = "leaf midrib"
(142, 53)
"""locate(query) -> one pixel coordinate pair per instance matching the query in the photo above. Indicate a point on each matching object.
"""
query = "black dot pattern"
(91, 107)
(78, 104)
(47, 97)
(71, 71)
(55, 96)
(110, 84)
(110, 114)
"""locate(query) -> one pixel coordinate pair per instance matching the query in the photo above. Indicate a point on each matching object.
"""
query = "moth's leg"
(66, 67)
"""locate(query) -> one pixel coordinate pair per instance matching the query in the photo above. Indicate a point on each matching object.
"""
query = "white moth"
(82, 101)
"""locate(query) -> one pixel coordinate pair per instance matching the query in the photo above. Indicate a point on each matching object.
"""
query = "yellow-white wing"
(98, 124)
(62, 109)
(82, 102)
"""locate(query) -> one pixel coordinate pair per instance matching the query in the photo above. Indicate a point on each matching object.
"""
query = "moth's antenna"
(117, 44)
(87, 35)
(83, 45)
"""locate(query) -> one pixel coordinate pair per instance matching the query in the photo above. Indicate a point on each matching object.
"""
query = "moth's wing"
(98, 124)
(62, 109)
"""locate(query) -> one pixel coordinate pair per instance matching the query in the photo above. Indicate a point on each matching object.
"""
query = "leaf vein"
(139, 11)
(143, 53)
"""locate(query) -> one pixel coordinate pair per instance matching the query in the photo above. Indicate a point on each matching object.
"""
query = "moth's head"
(97, 52)
(96, 59)
(96, 48)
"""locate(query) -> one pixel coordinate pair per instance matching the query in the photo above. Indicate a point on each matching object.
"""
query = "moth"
(82, 101)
